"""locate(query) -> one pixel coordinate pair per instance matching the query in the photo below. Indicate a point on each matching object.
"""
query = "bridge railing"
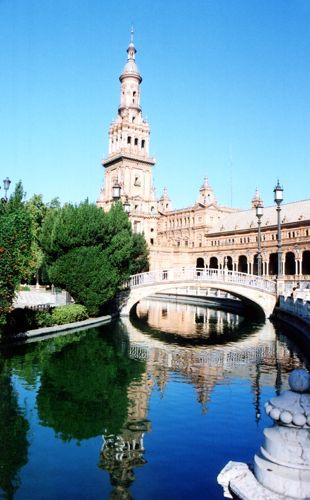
(202, 274)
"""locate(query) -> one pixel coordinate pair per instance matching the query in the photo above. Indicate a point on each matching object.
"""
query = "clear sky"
(226, 90)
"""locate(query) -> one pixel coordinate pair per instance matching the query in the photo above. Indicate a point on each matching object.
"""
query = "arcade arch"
(214, 263)
(289, 265)
(306, 262)
(200, 263)
(242, 264)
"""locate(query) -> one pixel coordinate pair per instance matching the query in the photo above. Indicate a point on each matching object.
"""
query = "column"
(283, 267)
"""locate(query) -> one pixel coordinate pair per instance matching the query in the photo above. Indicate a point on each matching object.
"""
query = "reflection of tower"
(121, 453)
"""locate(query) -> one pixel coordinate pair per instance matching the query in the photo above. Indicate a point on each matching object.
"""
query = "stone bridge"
(252, 289)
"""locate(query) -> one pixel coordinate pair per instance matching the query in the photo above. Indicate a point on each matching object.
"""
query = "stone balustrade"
(202, 274)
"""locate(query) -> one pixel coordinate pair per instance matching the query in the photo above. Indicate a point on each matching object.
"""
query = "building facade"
(206, 234)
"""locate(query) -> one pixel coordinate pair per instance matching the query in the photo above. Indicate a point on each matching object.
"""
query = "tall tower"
(128, 163)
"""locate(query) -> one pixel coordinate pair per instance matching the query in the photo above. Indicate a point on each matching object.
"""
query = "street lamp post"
(259, 214)
(278, 198)
(6, 185)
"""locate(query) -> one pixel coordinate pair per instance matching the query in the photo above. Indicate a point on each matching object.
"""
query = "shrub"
(68, 314)
(43, 318)
(24, 288)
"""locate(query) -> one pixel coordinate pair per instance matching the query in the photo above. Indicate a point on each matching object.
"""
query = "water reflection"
(254, 353)
(101, 382)
(82, 393)
(13, 434)
(187, 320)
(225, 344)
(121, 453)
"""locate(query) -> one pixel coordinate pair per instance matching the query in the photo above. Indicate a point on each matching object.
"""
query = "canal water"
(149, 408)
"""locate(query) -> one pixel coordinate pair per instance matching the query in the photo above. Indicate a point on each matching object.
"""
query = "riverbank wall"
(56, 330)
(295, 312)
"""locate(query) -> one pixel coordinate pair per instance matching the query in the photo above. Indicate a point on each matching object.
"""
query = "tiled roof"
(245, 219)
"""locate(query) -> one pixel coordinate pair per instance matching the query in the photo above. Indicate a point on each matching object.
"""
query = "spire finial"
(131, 47)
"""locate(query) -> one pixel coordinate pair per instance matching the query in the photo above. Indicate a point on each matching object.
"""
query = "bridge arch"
(249, 288)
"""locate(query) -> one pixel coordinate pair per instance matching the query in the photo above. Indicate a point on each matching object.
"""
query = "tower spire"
(256, 200)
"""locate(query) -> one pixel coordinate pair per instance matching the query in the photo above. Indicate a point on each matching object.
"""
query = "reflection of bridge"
(260, 346)
(175, 358)
(248, 287)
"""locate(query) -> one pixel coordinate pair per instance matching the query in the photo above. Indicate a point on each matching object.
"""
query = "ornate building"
(205, 234)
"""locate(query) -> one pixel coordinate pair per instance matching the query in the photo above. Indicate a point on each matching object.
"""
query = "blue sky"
(226, 90)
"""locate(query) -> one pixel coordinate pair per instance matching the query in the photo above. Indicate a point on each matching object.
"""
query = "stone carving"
(282, 466)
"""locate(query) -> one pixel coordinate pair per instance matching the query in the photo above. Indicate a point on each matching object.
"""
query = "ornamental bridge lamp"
(259, 214)
(278, 198)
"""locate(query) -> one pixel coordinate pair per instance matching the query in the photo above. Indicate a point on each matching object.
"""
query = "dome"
(130, 67)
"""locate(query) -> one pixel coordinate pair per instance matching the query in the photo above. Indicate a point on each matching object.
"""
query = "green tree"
(88, 276)
(37, 210)
(91, 253)
(139, 262)
(15, 247)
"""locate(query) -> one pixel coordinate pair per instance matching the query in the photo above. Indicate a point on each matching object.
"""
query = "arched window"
(129, 140)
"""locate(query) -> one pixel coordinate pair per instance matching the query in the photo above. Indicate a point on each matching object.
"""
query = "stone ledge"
(239, 481)
(49, 331)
